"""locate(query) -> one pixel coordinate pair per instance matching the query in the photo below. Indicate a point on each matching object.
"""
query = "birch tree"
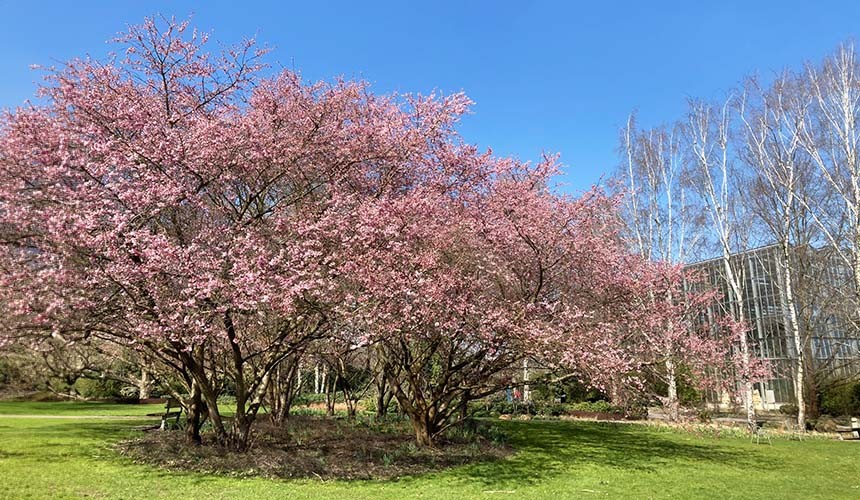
(717, 179)
(773, 123)
(831, 140)
(660, 220)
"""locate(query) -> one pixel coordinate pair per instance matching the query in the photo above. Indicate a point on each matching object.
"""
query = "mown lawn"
(78, 408)
(72, 458)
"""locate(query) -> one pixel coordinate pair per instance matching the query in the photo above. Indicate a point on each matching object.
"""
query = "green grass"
(72, 458)
(78, 409)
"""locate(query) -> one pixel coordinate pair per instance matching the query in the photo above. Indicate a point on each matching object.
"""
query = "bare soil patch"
(319, 447)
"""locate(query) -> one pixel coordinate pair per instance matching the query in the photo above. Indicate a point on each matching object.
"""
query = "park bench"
(852, 432)
(171, 415)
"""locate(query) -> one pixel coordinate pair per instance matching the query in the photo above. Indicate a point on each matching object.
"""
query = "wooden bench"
(172, 413)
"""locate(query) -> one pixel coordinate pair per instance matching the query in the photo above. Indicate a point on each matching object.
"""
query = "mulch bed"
(315, 447)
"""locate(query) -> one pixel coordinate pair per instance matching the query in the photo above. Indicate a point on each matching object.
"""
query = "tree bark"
(424, 430)
(194, 416)
(672, 403)
(144, 385)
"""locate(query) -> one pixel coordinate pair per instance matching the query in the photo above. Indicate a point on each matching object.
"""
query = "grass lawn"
(73, 458)
(78, 409)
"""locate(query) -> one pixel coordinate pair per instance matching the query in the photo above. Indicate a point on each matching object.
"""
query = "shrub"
(825, 424)
(10, 373)
(844, 400)
(369, 405)
(594, 406)
(704, 415)
(571, 390)
(98, 388)
(504, 407)
(789, 409)
(552, 409)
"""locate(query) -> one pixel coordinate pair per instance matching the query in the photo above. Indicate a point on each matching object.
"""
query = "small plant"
(704, 415)
(492, 434)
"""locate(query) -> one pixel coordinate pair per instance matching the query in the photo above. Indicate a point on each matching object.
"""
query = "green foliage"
(789, 409)
(472, 430)
(311, 398)
(10, 373)
(688, 394)
(504, 407)
(553, 409)
(842, 401)
(496, 407)
(369, 404)
(99, 388)
(704, 415)
(595, 406)
(572, 391)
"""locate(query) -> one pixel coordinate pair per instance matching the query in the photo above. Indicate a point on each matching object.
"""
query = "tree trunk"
(194, 416)
(210, 398)
(383, 394)
(526, 389)
(463, 408)
(144, 385)
(737, 300)
(282, 390)
(317, 378)
(330, 396)
(812, 393)
(381, 404)
(799, 384)
(424, 430)
(240, 432)
(672, 403)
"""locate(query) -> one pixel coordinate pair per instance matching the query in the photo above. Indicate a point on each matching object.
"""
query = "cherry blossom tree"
(458, 285)
(661, 222)
(176, 201)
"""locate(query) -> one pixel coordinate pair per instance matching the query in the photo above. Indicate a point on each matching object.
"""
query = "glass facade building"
(824, 301)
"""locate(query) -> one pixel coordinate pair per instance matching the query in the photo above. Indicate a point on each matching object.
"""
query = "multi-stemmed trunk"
(331, 396)
(285, 385)
(383, 399)
(425, 429)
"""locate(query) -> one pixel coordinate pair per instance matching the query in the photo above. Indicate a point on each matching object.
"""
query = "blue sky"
(545, 76)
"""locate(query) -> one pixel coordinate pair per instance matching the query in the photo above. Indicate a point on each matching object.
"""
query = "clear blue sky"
(546, 76)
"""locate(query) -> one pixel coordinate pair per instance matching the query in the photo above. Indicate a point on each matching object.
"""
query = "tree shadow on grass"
(550, 448)
(544, 449)
(70, 440)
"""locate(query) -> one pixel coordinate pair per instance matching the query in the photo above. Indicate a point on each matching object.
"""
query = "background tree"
(661, 223)
(718, 178)
(773, 121)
